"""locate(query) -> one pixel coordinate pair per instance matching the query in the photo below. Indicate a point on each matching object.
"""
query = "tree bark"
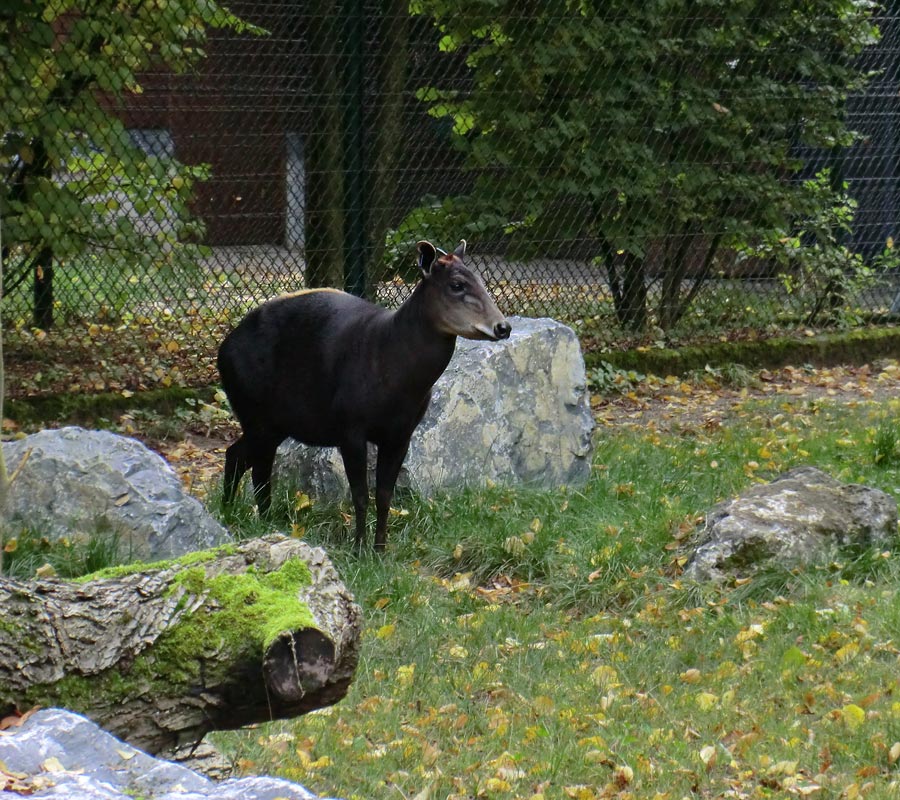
(160, 654)
(629, 289)
(43, 290)
(676, 265)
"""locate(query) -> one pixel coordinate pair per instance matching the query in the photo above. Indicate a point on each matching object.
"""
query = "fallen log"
(160, 654)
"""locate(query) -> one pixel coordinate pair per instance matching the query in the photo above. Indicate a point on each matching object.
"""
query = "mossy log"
(159, 654)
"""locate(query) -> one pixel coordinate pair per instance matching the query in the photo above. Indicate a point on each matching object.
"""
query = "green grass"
(31, 552)
(524, 644)
(542, 644)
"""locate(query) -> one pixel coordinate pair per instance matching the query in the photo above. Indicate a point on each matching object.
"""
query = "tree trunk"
(159, 654)
(43, 290)
(676, 264)
(632, 308)
(27, 173)
(701, 278)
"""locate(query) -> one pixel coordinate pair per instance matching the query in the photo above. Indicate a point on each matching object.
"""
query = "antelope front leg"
(354, 456)
(390, 459)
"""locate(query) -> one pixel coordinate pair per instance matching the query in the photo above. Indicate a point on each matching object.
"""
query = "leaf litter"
(708, 401)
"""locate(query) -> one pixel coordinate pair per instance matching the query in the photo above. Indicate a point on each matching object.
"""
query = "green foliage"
(814, 264)
(76, 191)
(440, 221)
(652, 134)
(609, 379)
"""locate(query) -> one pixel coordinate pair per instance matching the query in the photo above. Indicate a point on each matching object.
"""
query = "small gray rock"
(513, 412)
(80, 481)
(802, 517)
(97, 766)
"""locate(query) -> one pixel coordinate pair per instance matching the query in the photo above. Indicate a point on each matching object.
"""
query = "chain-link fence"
(685, 167)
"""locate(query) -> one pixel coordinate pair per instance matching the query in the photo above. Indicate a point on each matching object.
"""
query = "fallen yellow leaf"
(604, 676)
(894, 753)
(45, 571)
(52, 764)
(302, 501)
(690, 676)
(406, 674)
(846, 653)
(385, 631)
(853, 716)
(708, 756)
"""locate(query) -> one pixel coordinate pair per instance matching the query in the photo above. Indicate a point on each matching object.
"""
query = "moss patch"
(251, 607)
(124, 570)
(80, 693)
(827, 349)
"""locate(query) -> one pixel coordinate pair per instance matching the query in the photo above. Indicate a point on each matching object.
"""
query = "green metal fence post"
(355, 188)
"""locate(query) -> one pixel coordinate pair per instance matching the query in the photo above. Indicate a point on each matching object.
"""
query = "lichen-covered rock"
(59, 754)
(71, 480)
(515, 412)
(802, 517)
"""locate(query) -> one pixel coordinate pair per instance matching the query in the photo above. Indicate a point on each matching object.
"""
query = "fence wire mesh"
(642, 170)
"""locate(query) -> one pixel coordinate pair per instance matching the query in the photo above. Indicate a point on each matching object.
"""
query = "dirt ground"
(670, 404)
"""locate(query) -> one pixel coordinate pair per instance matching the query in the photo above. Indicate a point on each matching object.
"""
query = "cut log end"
(298, 663)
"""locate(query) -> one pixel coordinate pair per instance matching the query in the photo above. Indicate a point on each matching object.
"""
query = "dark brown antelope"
(330, 369)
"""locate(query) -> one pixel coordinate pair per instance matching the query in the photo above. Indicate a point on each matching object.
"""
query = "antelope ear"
(426, 256)
(460, 249)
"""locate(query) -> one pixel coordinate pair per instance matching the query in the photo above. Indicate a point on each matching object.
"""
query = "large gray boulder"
(59, 754)
(72, 481)
(801, 518)
(513, 412)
